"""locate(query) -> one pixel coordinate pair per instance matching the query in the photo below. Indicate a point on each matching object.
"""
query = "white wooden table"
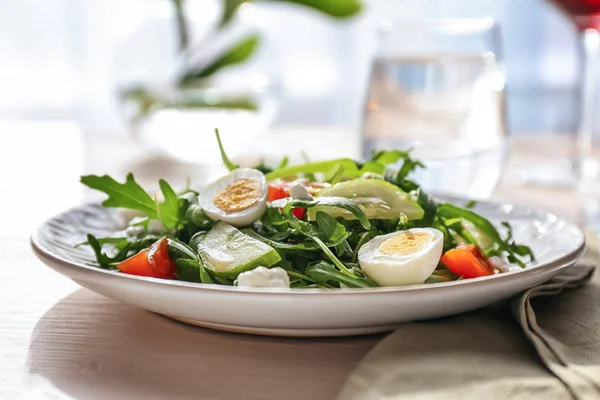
(58, 341)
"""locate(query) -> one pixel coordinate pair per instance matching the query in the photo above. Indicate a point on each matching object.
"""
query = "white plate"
(556, 243)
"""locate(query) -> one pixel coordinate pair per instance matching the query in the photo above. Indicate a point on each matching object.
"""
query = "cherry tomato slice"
(468, 261)
(153, 261)
(277, 190)
(280, 190)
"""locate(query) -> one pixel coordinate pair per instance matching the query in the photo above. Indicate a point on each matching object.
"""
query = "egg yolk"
(238, 196)
(406, 243)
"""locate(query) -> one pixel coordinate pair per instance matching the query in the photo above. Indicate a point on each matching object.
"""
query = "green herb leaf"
(205, 276)
(102, 259)
(340, 202)
(178, 249)
(124, 249)
(364, 238)
(187, 270)
(117, 241)
(514, 252)
(302, 247)
(230, 8)
(238, 53)
(429, 206)
(351, 168)
(332, 8)
(332, 229)
(170, 206)
(471, 204)
(230, 166)
(324, 273)
(132, 196)
(335, 174)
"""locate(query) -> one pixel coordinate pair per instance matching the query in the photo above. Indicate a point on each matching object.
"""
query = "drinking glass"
(437, 87)
(585, 15)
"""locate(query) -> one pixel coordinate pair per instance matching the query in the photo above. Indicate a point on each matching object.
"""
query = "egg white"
(240, 218)
(399, 270)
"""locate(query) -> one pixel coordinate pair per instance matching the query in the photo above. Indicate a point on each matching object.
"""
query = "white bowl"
(556, 243)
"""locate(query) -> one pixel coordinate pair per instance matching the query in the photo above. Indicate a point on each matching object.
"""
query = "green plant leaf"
(230, 166)
(230, 8)
(132, 196)
(238, 53)
(170, 205)
(334, 175)
(351, 168)
(332, 229)
(340, 202)
(514, 251)
(332, 8)
(323, 272)
(302, 247)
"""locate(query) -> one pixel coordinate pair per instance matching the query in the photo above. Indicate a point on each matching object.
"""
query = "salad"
(328, 224)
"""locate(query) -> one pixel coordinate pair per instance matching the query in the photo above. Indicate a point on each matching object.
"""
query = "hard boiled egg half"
(402, 258)
(238, 198)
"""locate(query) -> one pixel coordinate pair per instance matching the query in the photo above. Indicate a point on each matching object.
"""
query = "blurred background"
(88, 86)
(65, 60)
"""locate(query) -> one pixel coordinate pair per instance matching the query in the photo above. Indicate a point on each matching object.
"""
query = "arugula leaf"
(334, 232)
(121, 195)
(332, 8)
(518, 249)
(332, 229)
(324, 273)
(170, 206)
(187, 270)
(283, 163)
(302, 247)
(124, 250)
(101, 258)
(205, 276)
(340, 202)
(230, 8)
(389, 156)
(230, 166)
(351, 168)
(364, 238)
(179, 249)
(117, 241)
(334, 175)
(273, 220)
(132, 196)
(265, 169)
(514, 251)
(238, 53)
(429, 206)
(399, 177)
(471, 204)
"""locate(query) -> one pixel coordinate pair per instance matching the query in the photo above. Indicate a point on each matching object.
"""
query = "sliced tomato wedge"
(280, 190)
(153, 261)
(468, 261)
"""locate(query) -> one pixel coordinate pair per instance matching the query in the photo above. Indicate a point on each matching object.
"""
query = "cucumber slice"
(227, 252)
(379, 199)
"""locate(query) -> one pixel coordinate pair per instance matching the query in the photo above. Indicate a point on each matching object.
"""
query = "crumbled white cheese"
(299, 192)
(264, 277)
(503, 265)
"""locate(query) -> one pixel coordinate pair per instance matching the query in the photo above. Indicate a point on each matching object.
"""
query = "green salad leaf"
(514, 252)
(315, 241)
(239, 52)
(132, 196)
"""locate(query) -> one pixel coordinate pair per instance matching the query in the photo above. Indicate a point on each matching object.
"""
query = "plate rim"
(47, 256)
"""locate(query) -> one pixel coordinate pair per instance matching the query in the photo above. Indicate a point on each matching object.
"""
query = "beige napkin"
(552, 351)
